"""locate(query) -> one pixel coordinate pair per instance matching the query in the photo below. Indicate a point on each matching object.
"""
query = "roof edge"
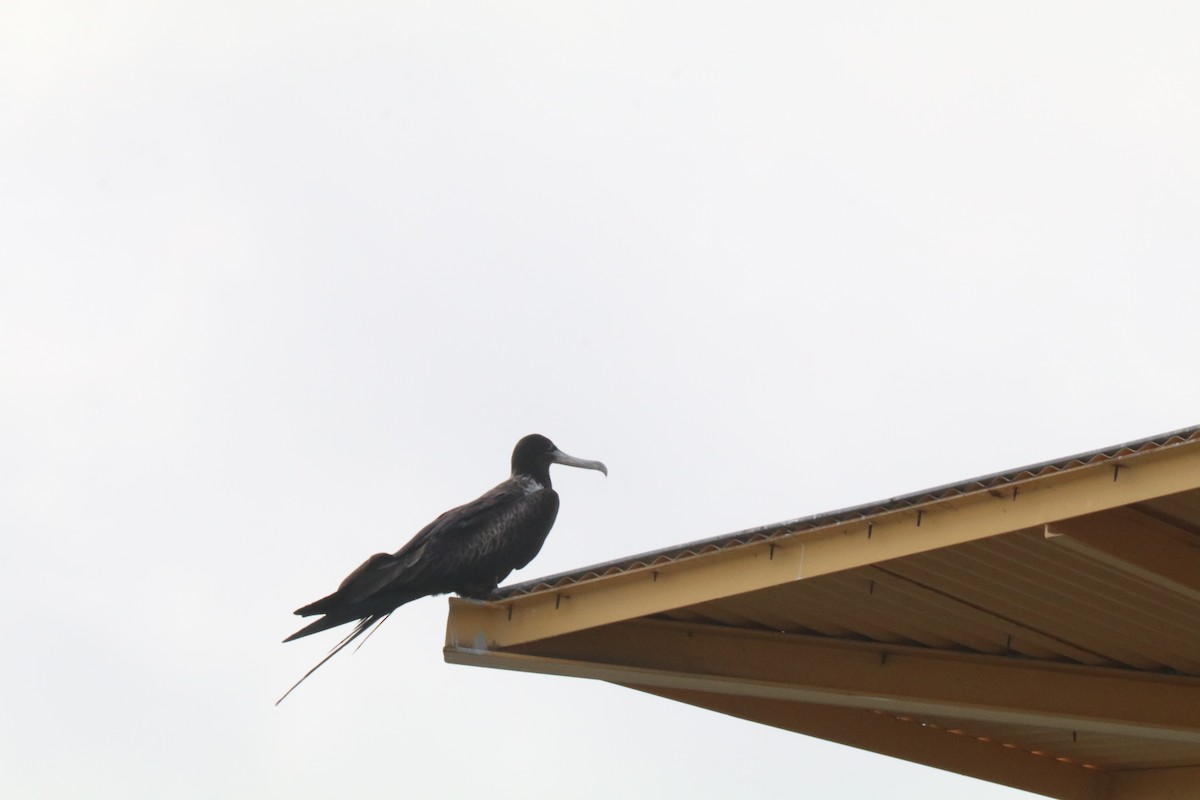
(1182, 436)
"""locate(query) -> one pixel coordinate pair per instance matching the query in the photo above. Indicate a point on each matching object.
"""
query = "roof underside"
(1036, 628)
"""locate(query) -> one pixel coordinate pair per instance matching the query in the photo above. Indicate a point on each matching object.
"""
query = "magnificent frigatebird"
(467, 550)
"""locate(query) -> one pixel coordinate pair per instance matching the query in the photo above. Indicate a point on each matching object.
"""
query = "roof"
(1036, 627)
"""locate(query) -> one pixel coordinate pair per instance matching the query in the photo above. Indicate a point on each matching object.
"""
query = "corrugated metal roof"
(1017, 594)
(986, 483)
(1049, 641)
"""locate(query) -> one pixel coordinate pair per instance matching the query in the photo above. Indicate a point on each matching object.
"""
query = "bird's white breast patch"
(530, 486)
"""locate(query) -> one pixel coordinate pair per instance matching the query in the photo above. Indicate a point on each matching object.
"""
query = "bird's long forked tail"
(359, 629)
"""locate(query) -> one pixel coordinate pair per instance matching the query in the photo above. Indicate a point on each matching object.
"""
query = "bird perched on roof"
(467, 550)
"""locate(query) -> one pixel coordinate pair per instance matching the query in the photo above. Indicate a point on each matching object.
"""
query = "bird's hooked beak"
(559, 457)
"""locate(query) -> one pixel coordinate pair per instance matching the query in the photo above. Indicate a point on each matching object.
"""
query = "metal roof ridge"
(757, 533)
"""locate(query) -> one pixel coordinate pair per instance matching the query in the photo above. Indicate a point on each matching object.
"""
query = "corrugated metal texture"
(1095, 608)
(987, 483)
(1017, 594)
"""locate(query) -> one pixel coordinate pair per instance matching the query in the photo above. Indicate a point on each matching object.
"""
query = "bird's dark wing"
(356, 586)
(460, 548)
(468, 550)
(498, 532)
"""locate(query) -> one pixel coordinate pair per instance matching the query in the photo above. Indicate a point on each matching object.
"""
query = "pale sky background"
(280, 282)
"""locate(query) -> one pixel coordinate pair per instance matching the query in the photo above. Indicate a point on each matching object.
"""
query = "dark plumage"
(467, 550)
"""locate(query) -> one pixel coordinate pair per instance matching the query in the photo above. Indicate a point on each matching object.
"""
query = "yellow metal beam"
(1136, 544)
(941, 523)
(900, 680)
(910, 740)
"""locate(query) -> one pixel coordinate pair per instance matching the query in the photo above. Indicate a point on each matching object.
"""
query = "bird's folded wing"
(457, 535)
(475, 533)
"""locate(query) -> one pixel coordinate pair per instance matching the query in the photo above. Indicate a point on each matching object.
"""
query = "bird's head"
(534, 454)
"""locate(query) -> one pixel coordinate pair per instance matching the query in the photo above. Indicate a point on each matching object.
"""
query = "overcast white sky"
(282, 281)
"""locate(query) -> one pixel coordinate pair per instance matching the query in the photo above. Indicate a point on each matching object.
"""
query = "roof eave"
(769, 556)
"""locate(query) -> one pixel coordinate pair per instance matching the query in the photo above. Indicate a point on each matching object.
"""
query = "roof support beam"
(937, 747)
(841, 546)
(899, 680)
(1137, 544)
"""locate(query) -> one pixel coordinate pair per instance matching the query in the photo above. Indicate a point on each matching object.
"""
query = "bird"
(467, 550)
